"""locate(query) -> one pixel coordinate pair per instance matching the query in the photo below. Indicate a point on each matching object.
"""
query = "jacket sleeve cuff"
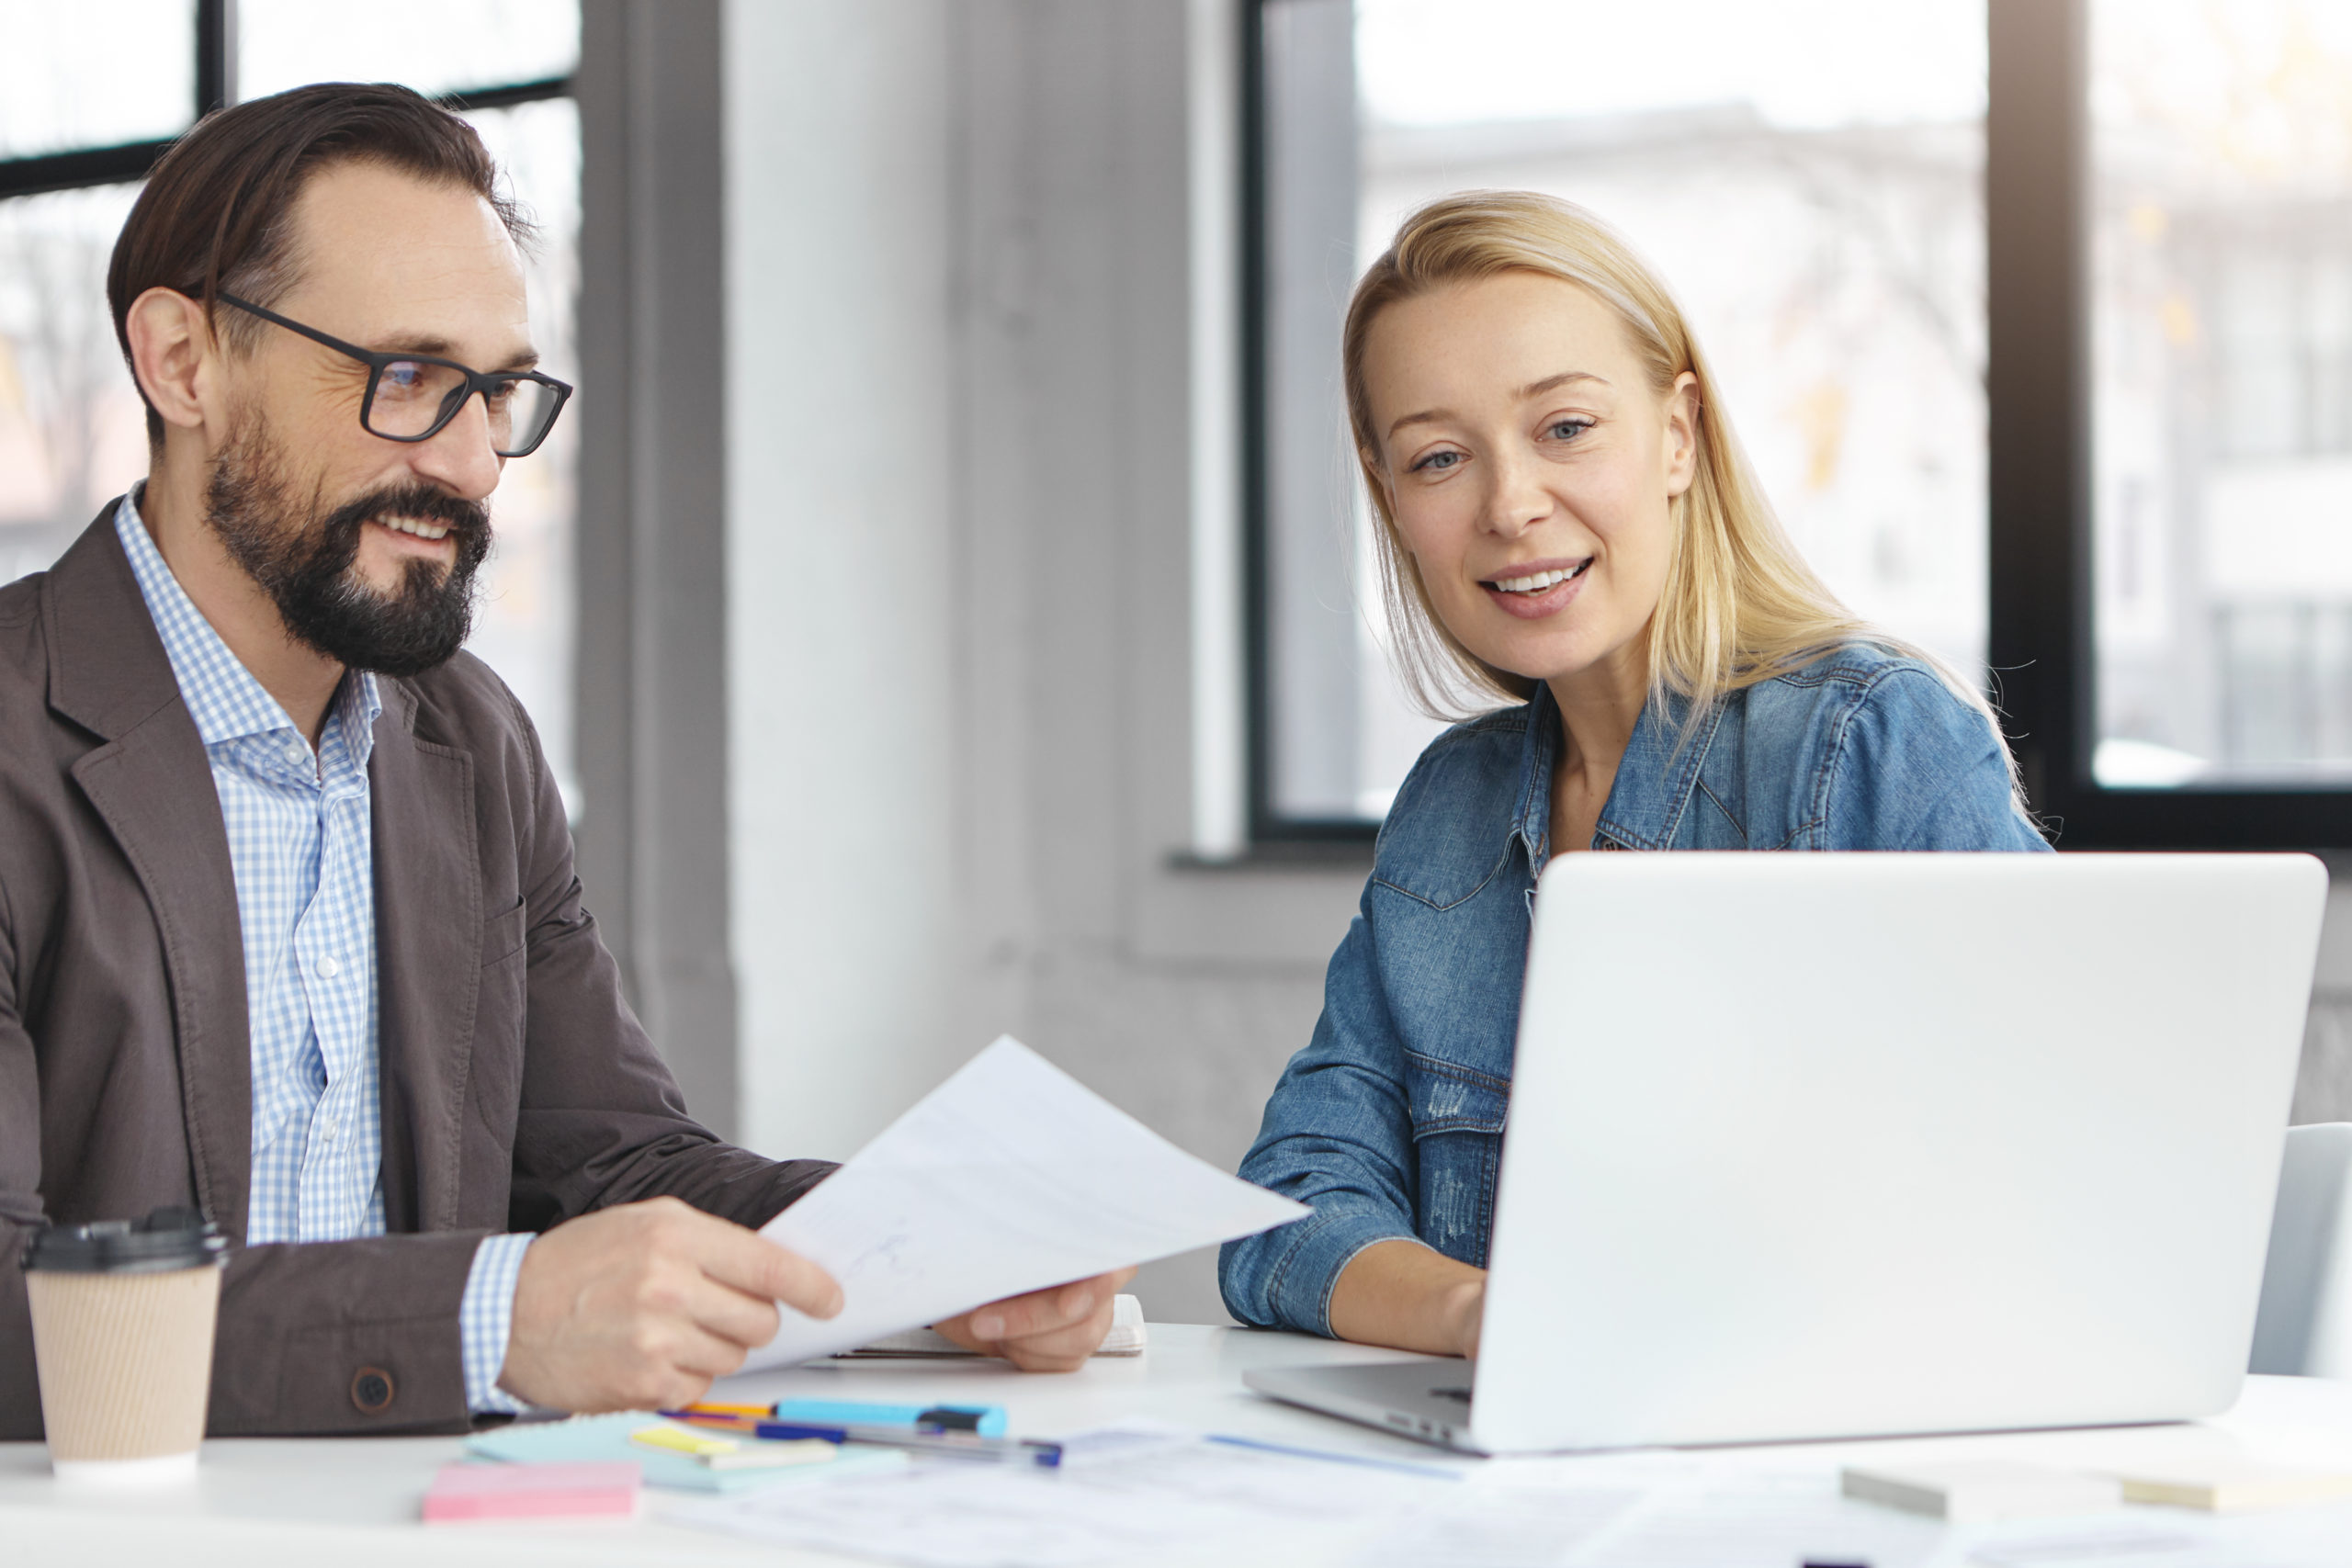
(485, 1317)
(1311, 1254)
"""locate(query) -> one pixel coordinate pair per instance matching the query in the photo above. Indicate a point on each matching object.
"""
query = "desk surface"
(350, 1502)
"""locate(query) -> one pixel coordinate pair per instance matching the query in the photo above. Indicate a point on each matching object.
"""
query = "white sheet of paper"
(1140, 1493)
(1010, 1177)
(1143, 1492)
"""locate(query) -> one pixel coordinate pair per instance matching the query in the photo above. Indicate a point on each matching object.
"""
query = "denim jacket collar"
(1654, 784)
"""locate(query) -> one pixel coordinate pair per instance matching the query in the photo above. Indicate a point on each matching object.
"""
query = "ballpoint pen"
(1000, 1451)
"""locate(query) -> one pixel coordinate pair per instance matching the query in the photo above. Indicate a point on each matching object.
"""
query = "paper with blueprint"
(1010, 1177)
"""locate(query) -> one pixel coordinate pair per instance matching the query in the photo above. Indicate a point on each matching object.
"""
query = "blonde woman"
(1566, 527)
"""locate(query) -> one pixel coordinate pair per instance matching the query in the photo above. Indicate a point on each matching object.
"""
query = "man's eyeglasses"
(411, 397)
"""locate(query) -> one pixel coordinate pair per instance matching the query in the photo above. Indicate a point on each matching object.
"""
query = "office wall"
(958, 515)
(844, 525)
(957, 612)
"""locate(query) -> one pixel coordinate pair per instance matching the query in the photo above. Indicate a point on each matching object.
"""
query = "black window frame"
(2038, 492)
(214, 87)
(2038, 393)
(650, 561)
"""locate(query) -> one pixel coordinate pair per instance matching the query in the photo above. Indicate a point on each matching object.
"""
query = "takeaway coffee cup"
(122, 1334)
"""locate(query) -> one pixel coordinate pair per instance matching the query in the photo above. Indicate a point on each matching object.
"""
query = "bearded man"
(288, 927)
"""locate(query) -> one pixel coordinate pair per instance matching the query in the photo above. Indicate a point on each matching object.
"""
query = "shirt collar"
(223, 695)
(1655, 778)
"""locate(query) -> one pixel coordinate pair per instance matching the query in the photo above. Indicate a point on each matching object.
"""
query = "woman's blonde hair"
(1740, 605)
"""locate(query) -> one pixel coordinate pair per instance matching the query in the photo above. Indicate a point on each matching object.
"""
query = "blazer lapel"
(428, 959)
(151, 785)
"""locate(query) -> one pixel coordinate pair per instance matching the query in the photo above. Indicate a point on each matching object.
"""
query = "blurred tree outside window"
(1808, 177)
(2222, 316)
(110, 74)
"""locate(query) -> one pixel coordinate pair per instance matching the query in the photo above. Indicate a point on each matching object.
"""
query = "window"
(90, 96)
(2171, 322)
(1848, 320)
(2035, 314)
(2221, 301)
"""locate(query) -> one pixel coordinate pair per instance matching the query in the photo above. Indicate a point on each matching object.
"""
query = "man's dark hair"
(217, 210)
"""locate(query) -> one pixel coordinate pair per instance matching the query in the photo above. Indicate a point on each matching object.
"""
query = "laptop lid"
(1806, 1146)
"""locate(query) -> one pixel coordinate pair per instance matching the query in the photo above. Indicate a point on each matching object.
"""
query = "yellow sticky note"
(661, 1435)
(2233, 1487)
(775, 1455)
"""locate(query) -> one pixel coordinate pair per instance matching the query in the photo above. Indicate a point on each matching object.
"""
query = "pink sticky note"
(596, 1490)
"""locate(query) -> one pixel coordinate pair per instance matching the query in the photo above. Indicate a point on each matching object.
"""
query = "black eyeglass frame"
(482, 381)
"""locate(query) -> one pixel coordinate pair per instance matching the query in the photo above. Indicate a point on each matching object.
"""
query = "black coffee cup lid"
(166, 1239)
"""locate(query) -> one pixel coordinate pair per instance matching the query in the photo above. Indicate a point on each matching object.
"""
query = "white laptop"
(1814, 1145)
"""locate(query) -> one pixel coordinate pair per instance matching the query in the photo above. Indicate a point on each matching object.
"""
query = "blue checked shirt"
(300, 846)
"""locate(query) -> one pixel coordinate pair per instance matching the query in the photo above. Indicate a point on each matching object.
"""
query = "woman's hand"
(1462, 1310)
(1410, 1296)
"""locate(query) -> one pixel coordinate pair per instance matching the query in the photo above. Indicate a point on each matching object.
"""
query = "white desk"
(351, 1502)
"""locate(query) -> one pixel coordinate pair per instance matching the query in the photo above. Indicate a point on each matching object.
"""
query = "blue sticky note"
(585, 1439)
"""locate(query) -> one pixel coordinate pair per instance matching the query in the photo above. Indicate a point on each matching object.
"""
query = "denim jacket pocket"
(1457, 1146)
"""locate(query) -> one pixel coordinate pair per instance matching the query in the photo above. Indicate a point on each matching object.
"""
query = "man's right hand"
(638, 1307)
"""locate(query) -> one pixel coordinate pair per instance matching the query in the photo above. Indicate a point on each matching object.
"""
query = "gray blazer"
(518, 1088)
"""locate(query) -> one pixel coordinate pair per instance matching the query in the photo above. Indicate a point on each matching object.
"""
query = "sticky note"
(678, 1439)
(593, 1490)
(591, 1438)
(775, 1454)
(2232, 1485)
(1979, 1490)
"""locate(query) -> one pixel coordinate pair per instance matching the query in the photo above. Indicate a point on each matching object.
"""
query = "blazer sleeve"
(304, 1325)
(1337, 1136)
(297, 1325)
(20, 1210)
(600, 1119)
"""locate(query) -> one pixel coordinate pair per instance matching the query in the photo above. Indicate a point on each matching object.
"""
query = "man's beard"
(304, 561)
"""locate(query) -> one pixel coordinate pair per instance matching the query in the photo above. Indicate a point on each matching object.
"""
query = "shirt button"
(329, 968)
(327, 1130)
(297, 753)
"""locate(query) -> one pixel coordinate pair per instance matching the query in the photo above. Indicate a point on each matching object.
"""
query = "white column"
(842, 506)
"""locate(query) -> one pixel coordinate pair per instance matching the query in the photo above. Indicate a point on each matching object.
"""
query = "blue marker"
(979, 1421)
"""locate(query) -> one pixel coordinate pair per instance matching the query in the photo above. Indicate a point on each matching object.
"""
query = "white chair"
(2304, 1328)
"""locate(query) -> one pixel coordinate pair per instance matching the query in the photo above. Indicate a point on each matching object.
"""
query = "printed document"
(1008, 1178)
(1152, 1494)
(1140, 1493)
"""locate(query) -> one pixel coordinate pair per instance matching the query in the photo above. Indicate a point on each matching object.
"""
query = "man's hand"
(638, 1307)
(1045, 1331)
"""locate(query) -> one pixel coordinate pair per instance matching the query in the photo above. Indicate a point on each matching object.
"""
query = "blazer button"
(371, 1391)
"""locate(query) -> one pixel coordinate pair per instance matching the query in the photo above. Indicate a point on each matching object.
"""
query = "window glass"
(1808, 177)
(72, 432)
(524, 626)
(94, 73)
(2222, 314)
(433, 46)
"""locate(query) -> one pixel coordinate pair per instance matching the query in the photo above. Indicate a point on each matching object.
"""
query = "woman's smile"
(1533, 589)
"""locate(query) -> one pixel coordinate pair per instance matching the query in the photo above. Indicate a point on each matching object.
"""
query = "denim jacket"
(1389, 1124)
